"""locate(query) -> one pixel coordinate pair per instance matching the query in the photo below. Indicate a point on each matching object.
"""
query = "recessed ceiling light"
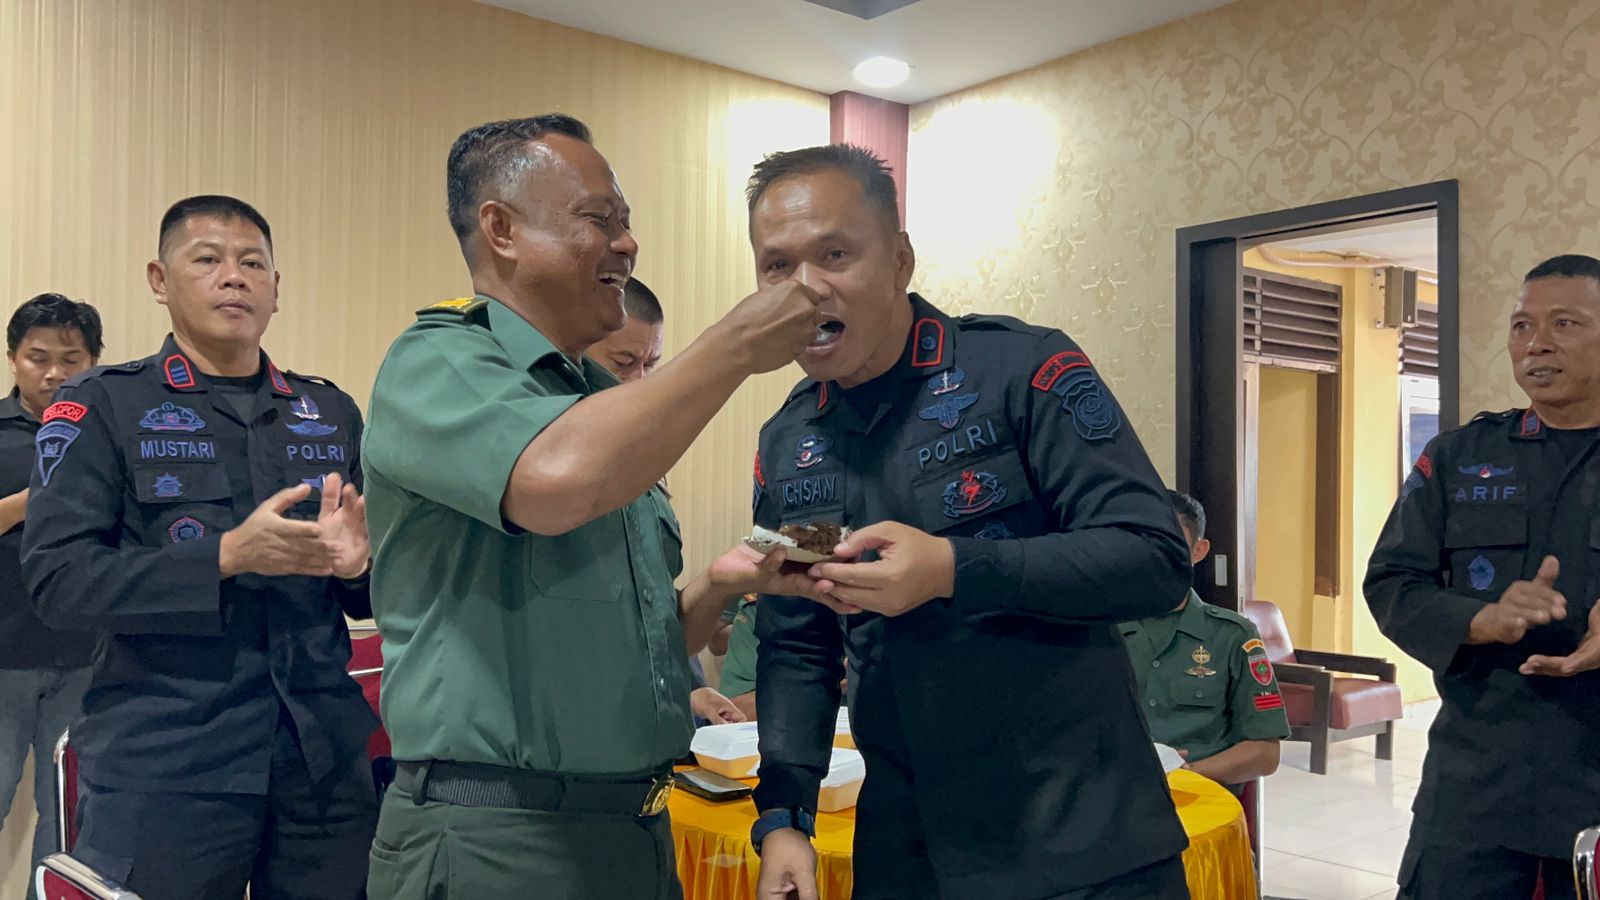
(882, 72)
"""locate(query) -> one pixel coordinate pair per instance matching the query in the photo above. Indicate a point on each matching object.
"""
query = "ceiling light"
(882, 72)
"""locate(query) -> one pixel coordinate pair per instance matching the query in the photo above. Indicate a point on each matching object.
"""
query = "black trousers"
(1436, 868)
(302, 841)
(891, 852)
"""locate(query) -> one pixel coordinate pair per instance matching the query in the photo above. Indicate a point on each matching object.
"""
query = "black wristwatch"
(777, 819)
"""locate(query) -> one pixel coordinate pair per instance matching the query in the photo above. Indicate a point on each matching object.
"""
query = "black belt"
(503, 787)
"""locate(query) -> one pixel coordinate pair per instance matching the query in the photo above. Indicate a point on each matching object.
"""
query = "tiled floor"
(1339, 836)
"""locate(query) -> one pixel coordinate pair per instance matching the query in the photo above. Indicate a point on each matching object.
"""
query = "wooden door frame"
(1209, 462)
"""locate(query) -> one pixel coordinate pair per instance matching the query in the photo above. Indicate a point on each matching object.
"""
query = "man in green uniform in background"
(536, 683)
(1205, 684)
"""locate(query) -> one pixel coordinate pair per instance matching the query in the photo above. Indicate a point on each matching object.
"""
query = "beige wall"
(334, 118)
(1286, 501)
(1053, 194)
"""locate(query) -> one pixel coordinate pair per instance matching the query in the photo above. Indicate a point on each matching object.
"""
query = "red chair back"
(66, 760)
(366, 667)
(1268, 620)
(60, 877)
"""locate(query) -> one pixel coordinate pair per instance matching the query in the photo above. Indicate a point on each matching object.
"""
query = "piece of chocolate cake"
(819, 538)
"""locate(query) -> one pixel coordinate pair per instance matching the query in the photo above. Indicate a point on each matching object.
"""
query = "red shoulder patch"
(66, 409)
(1057, 366)
(761, 479)
(1425, 466)
(1265, 702)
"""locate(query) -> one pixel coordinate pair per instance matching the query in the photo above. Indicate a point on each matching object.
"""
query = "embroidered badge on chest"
(947, 409)
(308, 426)
(1481, 572)
(171, 417)
(810, 451)
(167, 486)
(972, 493)
(187, 528)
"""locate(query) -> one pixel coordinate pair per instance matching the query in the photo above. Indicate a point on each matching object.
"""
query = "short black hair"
(874, 175)
(1568, 265)
(219, 206)
(641, 303)
(1190, 513)
(495, 151)
(56, 311)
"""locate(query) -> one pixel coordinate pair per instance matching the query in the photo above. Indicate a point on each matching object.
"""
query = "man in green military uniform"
(1205, 684)
(739, 666)
(536, 684)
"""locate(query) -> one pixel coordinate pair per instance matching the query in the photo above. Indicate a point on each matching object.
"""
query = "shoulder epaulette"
(1227, 615)
(464, 307)
(976, 322)
(1504, 416)
(314, 379)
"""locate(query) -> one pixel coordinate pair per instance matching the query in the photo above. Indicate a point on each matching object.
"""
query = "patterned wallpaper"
(1054, 194)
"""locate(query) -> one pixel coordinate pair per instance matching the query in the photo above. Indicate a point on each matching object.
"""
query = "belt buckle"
(655, 802)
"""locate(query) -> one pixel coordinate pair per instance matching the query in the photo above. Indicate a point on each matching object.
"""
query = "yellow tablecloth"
(716, 862)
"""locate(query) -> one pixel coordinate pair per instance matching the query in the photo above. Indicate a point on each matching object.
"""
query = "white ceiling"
(1412, 244)
(950, 44)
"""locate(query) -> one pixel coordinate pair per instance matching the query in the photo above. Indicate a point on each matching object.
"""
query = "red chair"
(60, 877)
(366, 667)
(1323, 707)
(1254, 806)
(1586, 864)
(66, 760)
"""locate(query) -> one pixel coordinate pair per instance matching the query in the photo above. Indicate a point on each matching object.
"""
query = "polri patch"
(50, 446)
(1086, 400)
(187, 528)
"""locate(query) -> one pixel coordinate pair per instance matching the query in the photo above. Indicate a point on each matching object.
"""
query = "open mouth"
(613, 279)
(828, 333)
(1543, 373)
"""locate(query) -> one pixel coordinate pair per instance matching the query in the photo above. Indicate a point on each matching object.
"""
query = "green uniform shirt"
(739, 666)
(561, 654)
(1204, 680)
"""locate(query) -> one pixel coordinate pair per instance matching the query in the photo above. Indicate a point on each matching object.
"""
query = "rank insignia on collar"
(308, 426)
(810, 451)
